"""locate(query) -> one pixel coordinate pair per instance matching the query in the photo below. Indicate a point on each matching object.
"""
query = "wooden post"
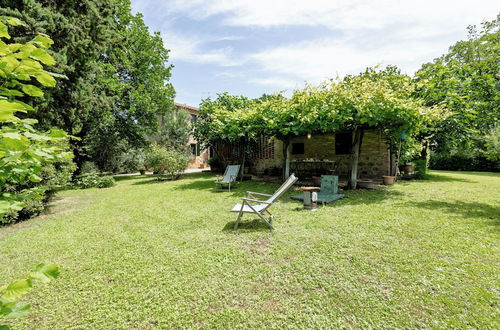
(356, 150)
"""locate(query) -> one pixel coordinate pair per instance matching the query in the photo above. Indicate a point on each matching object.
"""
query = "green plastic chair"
(328, 192)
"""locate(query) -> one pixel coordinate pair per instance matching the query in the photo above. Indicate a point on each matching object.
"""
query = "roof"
(185, 106)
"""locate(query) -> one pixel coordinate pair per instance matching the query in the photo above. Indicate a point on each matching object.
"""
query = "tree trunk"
(287, 154)
(356, 150)
(243, 158)
(391, 159)
(424, 154)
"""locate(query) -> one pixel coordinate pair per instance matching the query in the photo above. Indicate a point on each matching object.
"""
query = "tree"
(465, 80)
(228, 120)
(23, 149)
(117, 73)
(175, 129)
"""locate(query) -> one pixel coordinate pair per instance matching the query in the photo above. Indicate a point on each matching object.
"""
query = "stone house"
(198, 156)
(316, 154)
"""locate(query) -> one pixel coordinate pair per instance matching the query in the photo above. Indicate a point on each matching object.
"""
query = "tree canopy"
(382, 99)
(465, 80)
(117, 73)
(376, 98)
(24, 150)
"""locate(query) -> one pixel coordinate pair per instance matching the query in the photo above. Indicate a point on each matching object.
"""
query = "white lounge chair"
(230, 176)
(259, 207)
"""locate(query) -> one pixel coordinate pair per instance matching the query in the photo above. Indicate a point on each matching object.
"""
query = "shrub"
(456, 162)
(89, 167)
(420, 169)
(105, 182)
(58, 174)
(94, 180)
(169, 162)
(492, 145)
(214, 164)
(132, 160)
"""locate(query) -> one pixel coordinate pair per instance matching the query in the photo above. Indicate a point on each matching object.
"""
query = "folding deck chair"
(260, 207)
(229, 176)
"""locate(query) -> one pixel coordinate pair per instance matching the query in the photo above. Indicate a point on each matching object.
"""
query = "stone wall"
(373, 160)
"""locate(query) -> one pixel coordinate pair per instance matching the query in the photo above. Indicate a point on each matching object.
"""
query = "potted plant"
(389, 179)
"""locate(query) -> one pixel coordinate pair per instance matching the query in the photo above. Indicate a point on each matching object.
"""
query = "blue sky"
(251, 47)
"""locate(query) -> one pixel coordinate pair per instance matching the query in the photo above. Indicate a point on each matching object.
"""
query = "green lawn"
(148, 254)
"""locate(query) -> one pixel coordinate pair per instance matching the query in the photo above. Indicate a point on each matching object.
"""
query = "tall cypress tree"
(117, 72)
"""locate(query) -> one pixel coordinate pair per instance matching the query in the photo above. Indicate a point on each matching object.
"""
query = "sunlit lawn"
(148, 254)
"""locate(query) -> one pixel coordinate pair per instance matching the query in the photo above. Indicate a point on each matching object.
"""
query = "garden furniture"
(229, 176)
(328, 192)
(253, 205)
(310, 197)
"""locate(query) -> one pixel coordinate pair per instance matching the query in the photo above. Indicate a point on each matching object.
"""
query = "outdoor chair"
(328, 192)
(229, 176)
(261, 207)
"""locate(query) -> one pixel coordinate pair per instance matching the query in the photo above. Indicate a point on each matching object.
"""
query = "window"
(194, 118)
(297, 148)
(343, 143)
(193, 149)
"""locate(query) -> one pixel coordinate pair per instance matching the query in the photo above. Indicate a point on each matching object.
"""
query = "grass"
(148, 254)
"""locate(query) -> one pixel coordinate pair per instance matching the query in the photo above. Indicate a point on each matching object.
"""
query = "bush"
(132, 160)
(94, 180)
(214, 164)
(31, 204)
(105, 182)
(420, 169)
(89, 167)
(492, 145)
(462, 163)
(57, 175)
(169, 162)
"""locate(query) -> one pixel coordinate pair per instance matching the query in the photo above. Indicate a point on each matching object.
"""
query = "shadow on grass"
(465, 209)
(237, 190)
(364, 196)
(246, 226)
(486, 174)
(154, 178)
(438, 177)
(130, 177)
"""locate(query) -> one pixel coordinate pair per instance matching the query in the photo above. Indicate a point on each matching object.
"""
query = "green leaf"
(46, 273)
(8, 108)
(10, 92)
(45, 79)
(12, 135)
(14, 21)
(32, 90)
(4, 31)
(18, 309)
(42, 41)
(43, 56)
(17, 289)
(35, 178)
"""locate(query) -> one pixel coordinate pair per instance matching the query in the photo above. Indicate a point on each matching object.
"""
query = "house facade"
(198, 156)
(317, 154)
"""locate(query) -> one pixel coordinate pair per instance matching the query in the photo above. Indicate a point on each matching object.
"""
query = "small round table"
(310, 198)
